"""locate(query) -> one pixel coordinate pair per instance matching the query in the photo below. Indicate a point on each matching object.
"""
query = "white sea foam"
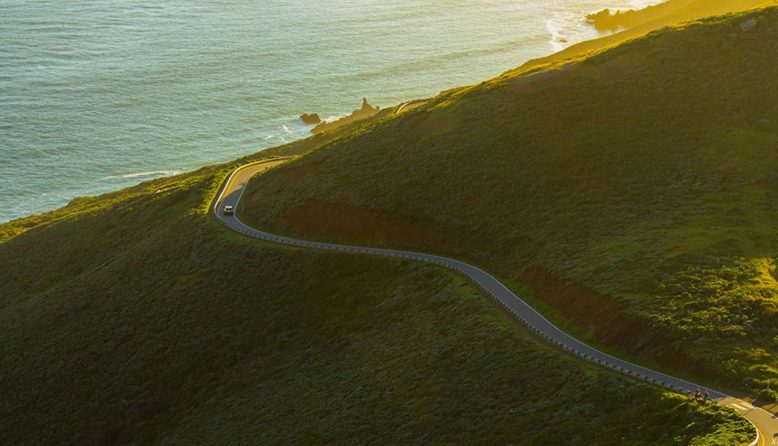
(566, 29)
(334, 118)
(639, 4)
(558, 41)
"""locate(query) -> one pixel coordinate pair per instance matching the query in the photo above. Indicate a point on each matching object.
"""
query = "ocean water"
(96, 95)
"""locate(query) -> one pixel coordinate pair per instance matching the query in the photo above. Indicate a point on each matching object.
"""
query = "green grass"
(629, 194)
(134, 318)
(632, 191)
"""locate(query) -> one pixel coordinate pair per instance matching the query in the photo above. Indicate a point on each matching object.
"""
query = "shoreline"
(289, 130)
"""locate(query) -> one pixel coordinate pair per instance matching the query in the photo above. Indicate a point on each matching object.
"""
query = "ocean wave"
(558, 40)
(640, 4)
(567, 29)
(150, 174)
(333, 118)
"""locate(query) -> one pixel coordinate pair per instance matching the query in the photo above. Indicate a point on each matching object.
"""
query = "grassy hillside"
(134, 318)
(641, 22)
(630, 194)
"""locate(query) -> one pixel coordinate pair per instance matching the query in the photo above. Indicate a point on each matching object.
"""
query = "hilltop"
(630, 193)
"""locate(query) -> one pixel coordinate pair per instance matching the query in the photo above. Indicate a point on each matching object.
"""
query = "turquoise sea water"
(96, 95)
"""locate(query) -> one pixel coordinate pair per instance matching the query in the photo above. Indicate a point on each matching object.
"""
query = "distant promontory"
(607, 20)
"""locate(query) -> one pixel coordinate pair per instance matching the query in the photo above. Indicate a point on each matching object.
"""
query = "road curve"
(232, 191)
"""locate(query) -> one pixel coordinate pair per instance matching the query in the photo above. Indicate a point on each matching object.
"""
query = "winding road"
(232, 191)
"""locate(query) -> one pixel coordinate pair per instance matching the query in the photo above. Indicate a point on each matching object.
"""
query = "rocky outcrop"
(365, 112)
(310, 118)
(367, 108)
(607, 20)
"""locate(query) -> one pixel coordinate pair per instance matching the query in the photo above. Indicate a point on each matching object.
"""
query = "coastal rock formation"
(366, 107)
(310, 118)
(607, 20)
(367, 111)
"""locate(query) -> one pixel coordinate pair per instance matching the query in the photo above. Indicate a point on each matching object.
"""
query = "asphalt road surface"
(233, 189)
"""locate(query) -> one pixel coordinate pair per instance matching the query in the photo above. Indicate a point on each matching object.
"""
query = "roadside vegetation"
(134, 318)
(631, 194)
